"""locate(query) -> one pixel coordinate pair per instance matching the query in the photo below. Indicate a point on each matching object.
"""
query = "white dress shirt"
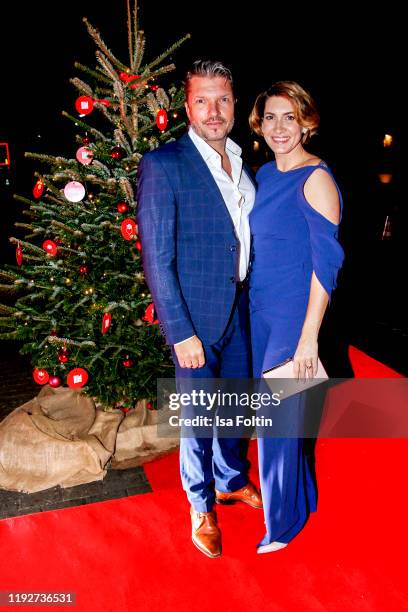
(238, 194)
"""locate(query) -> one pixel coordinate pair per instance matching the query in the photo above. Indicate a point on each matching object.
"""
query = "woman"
(296, 257)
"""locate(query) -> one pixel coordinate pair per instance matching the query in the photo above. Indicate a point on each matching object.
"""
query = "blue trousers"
(217, 460)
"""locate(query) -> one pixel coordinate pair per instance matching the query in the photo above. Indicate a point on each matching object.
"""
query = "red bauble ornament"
(83, 269)
(149, 406)
(128, 363)
(53, 332)
(123, 409)
(50, 247)
(54, 381)
(63, 356)
(84, 105)
(41, 376)
(86, 140)
(122, 207)
(19, 254)
(128, 229)
(106, 321)
(38, 189)
(77, 378)
(138, 245)
(150, 315)
(154, 87)
(117, 152)
(161, 119)
(124, 77)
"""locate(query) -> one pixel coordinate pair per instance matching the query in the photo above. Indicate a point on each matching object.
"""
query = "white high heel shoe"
(272, 547)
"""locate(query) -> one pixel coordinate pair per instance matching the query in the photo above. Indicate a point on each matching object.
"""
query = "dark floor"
(16, 382)
(116, 484)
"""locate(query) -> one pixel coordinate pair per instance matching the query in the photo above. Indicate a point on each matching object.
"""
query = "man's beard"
(205, 131)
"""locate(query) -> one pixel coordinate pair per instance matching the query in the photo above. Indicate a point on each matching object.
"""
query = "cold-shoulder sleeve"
(327, 253)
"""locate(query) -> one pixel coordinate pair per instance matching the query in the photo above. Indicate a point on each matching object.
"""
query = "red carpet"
(135, 554)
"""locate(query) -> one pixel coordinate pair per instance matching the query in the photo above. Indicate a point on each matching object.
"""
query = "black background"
(351, 63)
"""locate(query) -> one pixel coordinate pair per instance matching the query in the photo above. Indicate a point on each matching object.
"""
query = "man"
(194, 197)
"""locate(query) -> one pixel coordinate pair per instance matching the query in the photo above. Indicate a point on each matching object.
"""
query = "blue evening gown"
(290, 241)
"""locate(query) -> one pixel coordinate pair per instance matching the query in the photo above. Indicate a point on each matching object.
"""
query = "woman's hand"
(305, 358)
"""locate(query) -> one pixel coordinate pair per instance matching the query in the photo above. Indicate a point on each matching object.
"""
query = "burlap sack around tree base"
(60, 438)
(138, 438)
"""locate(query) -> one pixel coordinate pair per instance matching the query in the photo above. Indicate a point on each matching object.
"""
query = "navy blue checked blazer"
(189, 244)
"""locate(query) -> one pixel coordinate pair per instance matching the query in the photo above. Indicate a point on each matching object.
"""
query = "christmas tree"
(83, 310)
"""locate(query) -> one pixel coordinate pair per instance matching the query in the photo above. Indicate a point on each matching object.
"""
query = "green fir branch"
(94, 74)
(93, 32)
(139, 50)
(129, 33)
(87, 128)
(163, 56)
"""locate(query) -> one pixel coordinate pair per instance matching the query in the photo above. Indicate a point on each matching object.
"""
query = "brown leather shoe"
(205, 533)
(248, 494)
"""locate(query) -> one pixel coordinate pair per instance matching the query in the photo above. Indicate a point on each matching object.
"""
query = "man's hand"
(190, 354)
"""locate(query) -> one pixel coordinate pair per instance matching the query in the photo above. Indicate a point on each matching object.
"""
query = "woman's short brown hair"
(304, 107)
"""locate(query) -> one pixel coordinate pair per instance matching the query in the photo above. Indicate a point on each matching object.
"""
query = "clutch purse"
(292, 385)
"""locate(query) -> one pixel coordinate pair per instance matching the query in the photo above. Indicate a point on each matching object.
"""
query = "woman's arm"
(322, 195)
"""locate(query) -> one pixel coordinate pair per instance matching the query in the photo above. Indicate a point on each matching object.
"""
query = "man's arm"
(156, 218)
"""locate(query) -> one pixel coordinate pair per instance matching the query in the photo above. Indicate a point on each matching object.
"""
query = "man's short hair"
(206, 68)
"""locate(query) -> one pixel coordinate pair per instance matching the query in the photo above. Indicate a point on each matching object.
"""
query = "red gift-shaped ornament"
(84, 155)
(84, 105)
(161, 119)
(77, 378)
(106, 321)
(41, 376)
(128, 229)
